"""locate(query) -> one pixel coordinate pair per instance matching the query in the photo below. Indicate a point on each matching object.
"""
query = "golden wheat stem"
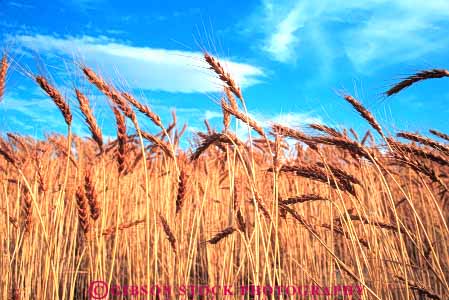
(3, 70)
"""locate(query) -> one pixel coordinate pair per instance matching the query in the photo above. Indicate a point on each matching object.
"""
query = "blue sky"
(292, 58)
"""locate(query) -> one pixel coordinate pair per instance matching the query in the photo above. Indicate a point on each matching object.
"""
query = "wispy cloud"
(142, 67)
(20, 4)
(36, 114)
(85, 4)
(266, 120)
(282, 43)
(289, 119)
(26, 108)
(403, 31)
(208, 115)
(369, 33)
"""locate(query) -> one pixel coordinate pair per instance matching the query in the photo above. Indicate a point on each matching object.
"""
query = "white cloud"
(35, 114)
(85, 4)
(370, 33)
(289, 119)
(283, 23)
(142, 67)
(212, 115)
(266, 120)
(19, 4)
(279, 44)
(398, 31)
(43, 104)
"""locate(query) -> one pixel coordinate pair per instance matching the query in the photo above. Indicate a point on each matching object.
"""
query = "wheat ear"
(110, 92)
(3, 70)
(121, 138)
(439, 134)
(83, 213)
(169, 233)
(182, 189)
(215, 65)
(143, 109)
(420, 76)
(56, 97)
(90, 119)
(221, 235)
(91, 195)
(364, 113)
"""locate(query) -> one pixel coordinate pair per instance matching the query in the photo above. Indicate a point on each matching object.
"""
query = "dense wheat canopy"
(281, 209)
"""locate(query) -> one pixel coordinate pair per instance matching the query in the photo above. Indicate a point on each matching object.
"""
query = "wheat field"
(282, 215)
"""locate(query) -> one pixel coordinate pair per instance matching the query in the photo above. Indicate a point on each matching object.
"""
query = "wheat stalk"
(182, 190)
(261, 205)
(295, 134)
(91, 195)
(422, 291)
(367, 136)
(439, 134)
(159, 143)
(231, 98)
(83, 210)
(8, 154)
(121, 139)
(40, 176)
(215, 65)
(243, 117)
(317, 174)
(56, 97)
(111, 230)
(168, 232)
(215, 138)
(425, 141)
(27, 210)
(110, 92)
(420, 76)
(226, 115)
(90, 119)
(143, 109)
(422, 153)
(3, 70)
(301, 199)
(326, 129)
(221, 235)
(364, 113)
(240, 221)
